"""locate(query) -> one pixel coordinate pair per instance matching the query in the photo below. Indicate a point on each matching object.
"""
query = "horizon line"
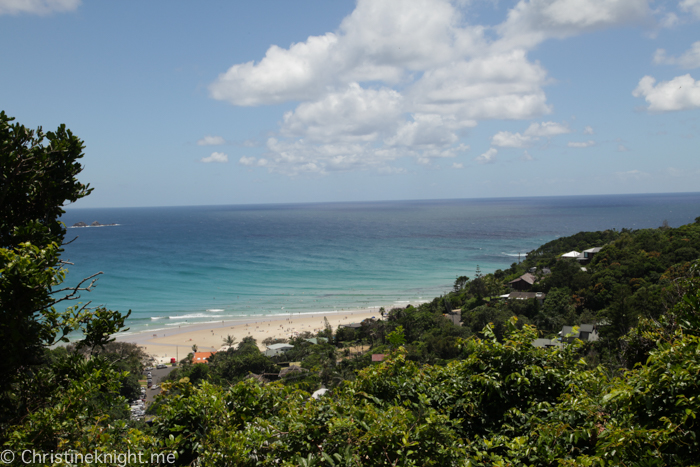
(71, 207)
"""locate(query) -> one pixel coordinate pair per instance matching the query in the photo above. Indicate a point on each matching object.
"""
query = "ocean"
(174, 266)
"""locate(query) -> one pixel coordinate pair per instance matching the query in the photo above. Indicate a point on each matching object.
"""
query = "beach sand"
(177, 343)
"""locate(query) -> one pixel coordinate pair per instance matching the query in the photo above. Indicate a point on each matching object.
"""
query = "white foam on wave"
(514, 254)
(159, 317)
(195, 316)
(216, 310)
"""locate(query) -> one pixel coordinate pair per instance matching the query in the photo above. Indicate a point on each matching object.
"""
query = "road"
(159, 376)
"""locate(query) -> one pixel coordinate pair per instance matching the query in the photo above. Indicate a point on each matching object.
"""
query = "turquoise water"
(184, 265)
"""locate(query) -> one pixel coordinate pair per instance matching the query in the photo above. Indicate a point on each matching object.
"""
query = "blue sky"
(183, 103)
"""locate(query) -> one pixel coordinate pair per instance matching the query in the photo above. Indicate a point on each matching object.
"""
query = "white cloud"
(502, 86)
(531, 22)
(426, 131)
(456, 165)
(297, 73)
(588, 130)
(692, 6)
(506, 139)
(253, 161)
(547, 129)
(689, 59)
(294, 157)
(581, 144)
(489, 157)
(385, 86)
(372, 44)
(211, 141)
(531, 135)
(405, 78)
(356, 114)
(37, 7)
(215, 157)
(681, 93)
(622, 148)
(669, 20)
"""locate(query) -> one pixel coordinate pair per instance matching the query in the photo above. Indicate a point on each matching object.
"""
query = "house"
(540, 296)
(523, 282)
(277, 349)
(351, 325)
(588, 254)
(317, 340)
(572, 255)
(547, 343)
(585, 332)
(544, 271)
(202, 357)
(290, 370)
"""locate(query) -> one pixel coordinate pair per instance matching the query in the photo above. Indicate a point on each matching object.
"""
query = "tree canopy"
(38, 176)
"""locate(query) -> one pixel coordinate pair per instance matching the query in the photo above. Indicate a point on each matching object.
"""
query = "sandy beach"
(177, 343)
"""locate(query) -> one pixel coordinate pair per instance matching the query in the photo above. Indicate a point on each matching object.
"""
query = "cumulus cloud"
(215, 157)
(253, 161)
(506, 139)
(501, 86)
(547, 129)
(385, 86)
(681, 93)
(531, 135)
(456, 165)
(581, 144)
(531, 22)
(489, 157)
(691, 6)
(355, 114)
(689, 59)
(37, 7)
(588, 130)
(622, 148)
(211, 141)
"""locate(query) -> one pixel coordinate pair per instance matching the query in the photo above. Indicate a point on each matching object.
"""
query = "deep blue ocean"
(184, 265)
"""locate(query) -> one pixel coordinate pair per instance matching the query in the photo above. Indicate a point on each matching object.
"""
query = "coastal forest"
(457, 381)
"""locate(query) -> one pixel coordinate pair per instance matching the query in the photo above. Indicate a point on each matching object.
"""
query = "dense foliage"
(37, 177)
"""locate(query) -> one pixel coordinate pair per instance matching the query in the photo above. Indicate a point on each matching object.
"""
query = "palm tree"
(194, 348)
(229, 340)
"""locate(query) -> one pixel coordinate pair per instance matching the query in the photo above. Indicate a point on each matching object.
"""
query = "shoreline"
(177, 343)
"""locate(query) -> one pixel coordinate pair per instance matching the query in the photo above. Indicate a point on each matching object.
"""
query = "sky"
(205, 103)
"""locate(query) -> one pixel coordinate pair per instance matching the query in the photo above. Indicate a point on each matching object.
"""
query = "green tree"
(229, 340)
(460, 282)
(396, 337)
(37, 178)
